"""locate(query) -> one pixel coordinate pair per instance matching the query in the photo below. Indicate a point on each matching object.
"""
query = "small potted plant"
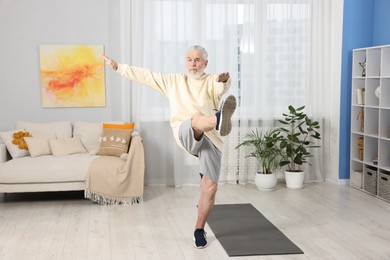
(266, 149)
(298, 129)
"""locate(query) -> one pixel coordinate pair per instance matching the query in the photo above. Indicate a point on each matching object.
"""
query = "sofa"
(58, 156)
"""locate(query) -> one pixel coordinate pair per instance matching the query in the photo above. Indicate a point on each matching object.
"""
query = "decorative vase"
(294, 180)
(265, 182)
(378, 92)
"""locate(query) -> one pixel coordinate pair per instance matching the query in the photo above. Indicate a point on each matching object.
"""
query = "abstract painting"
(72, 76)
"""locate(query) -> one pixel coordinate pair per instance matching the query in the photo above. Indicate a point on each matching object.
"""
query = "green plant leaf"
(283, 163)
(296, 139)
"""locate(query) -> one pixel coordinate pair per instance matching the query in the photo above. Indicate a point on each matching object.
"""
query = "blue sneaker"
(200, 238)
(224, 115)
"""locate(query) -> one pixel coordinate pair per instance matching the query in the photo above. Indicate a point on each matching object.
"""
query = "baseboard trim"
(344, 182)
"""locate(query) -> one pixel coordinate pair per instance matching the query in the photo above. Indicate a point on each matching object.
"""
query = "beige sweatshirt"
(186, 95)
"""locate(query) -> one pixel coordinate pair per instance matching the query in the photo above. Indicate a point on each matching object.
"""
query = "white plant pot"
(294, 180)
(266, 182)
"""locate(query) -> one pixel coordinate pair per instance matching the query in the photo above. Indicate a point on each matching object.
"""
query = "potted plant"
(298, 130)
(266, 149)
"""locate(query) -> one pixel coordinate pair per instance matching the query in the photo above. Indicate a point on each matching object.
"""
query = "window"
(265, 45)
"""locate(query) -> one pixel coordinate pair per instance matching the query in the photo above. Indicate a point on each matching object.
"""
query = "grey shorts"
(209, 156)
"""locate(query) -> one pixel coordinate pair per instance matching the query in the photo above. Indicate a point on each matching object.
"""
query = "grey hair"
(202, 50)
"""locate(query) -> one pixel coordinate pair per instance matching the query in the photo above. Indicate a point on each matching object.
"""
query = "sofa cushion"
(46, 169)
(13, 149)
(38, 146)
(115, 142)
(90, 134)
(62, 129)
(66, 146)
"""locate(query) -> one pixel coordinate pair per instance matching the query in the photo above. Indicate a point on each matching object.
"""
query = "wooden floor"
(325, 220)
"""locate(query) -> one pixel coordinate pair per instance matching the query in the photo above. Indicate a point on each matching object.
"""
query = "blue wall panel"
(357, 33)
(381, 27)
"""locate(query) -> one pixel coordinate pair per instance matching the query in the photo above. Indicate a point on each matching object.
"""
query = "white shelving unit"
(370, 121)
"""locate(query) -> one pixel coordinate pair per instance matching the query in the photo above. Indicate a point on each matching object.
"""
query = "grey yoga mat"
(243, 230)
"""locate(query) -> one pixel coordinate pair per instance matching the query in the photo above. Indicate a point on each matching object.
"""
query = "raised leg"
(202, 123)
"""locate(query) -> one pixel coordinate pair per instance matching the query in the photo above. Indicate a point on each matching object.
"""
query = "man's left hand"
(223, 77)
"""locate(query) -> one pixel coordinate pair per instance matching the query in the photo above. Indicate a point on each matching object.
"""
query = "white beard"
(195, 75)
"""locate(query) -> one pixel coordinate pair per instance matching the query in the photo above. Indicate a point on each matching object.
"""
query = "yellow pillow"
(116, 126)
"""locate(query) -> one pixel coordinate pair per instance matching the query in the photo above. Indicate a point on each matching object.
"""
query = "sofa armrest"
(3, 153)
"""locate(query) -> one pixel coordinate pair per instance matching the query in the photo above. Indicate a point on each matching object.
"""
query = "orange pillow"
(116, 126)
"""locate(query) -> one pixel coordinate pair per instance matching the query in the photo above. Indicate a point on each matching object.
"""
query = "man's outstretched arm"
(113, 64)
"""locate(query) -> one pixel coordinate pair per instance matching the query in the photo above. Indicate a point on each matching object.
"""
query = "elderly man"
(197, 127)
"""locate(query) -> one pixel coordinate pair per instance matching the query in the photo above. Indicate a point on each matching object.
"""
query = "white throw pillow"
(38, 146)
(13, 149)
(90, 134)
(62, 129)
(66, 146)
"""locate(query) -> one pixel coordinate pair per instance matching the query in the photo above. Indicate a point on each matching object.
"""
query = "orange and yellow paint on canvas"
(72, 76)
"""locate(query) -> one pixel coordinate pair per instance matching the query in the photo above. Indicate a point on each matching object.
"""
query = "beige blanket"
(113, 180)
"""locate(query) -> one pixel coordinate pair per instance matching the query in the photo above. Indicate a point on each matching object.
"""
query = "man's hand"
(223, 77)
(113, 64)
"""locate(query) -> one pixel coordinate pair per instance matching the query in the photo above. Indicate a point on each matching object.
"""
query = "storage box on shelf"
(370, 180)
(384, 185)
(370, 121)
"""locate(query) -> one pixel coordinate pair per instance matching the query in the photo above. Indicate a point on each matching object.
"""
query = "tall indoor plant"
(266, 149)
(298, 129)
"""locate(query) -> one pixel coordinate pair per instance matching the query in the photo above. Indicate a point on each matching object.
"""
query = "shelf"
(385, 168)
(357, 139)
(385, 92)
(384, 117)
(357, 124)
(371, 87)
(384, 152)
(370, 149)
(359, 57)
(370, 119)
(373, 66)
(386, 62)
(359, 85)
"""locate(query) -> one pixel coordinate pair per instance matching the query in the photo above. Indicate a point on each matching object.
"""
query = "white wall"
(24, 25)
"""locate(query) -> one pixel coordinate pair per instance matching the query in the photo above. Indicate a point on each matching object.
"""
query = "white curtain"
(275, 50)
